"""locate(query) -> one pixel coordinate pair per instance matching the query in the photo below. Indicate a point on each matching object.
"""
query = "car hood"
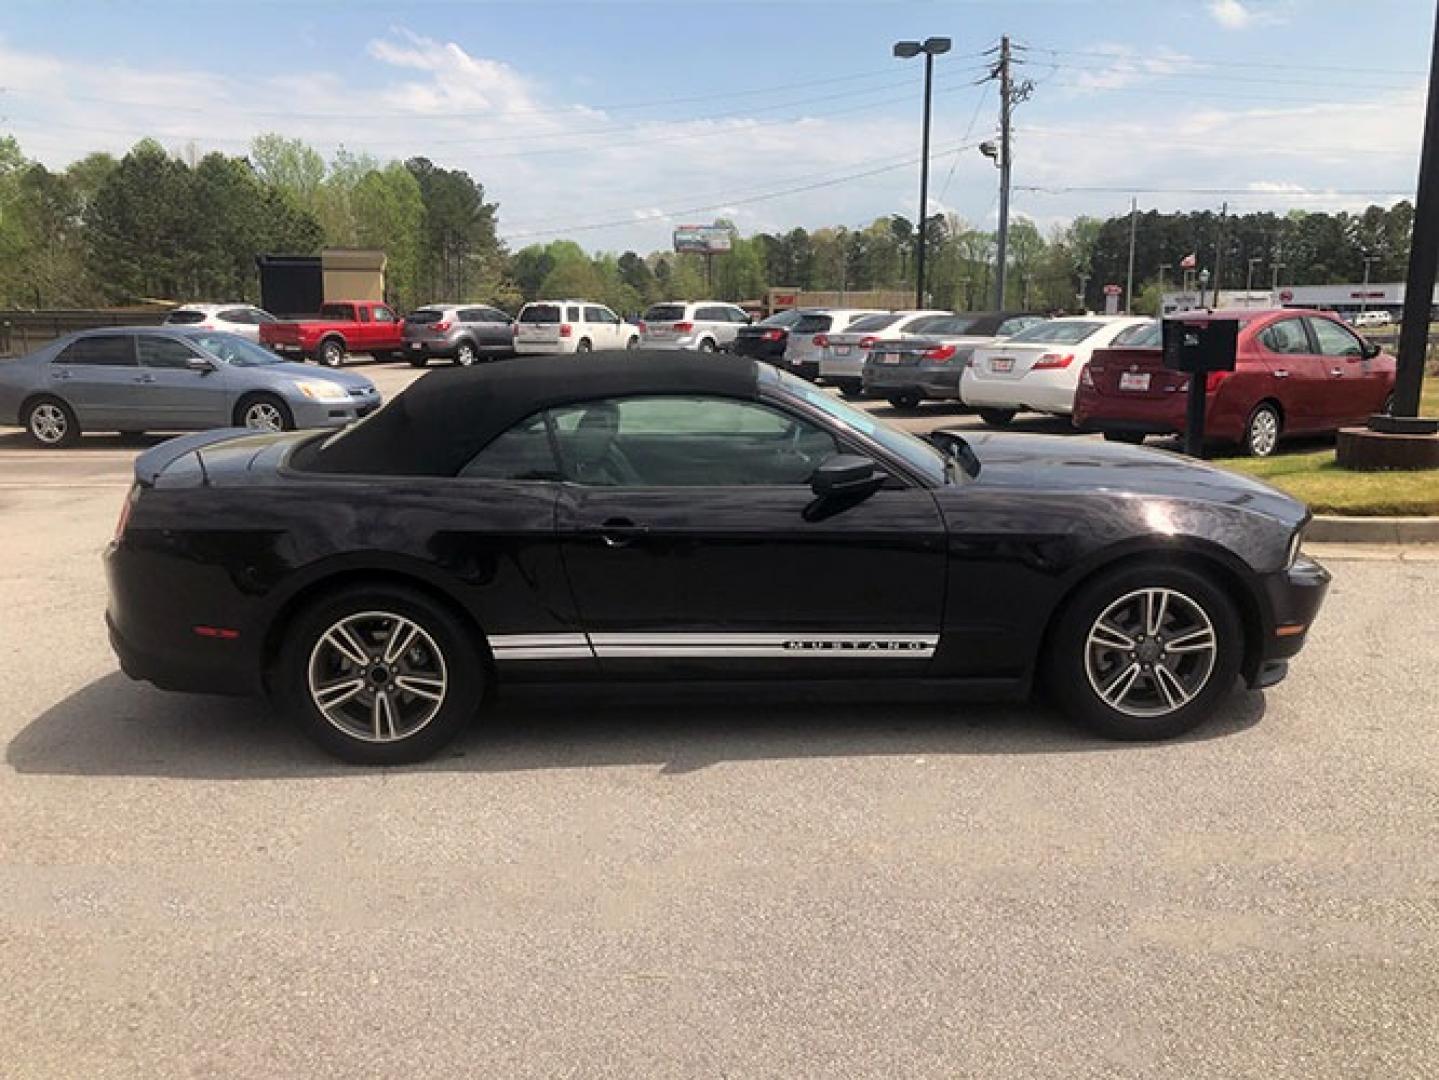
(287, 372)
(1055, 463)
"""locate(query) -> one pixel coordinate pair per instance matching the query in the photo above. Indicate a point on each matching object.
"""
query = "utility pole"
(1129, 280)
(1369, 260)
(1249, 278)
(1083, 288)
(1219, 251)
(1010, 95)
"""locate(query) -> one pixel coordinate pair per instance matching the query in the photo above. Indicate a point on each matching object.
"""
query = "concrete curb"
(1373, 530)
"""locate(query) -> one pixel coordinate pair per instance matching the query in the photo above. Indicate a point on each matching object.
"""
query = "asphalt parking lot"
(646, 886)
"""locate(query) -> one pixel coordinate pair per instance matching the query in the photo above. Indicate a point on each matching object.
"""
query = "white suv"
(705, 326)
(242, 319)
(571, 326)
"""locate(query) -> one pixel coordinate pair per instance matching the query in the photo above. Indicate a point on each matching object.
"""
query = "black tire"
(852, 390)
(906, 400)
(1133, 438)
(1068, 665)
(466, 354)
(419, 361)
(584, 346)
(998, 417)
(462, 672)
(1263, 430)
(633, 343)
(50, 423)
(252, 408)
(706, 345)
(331, 353)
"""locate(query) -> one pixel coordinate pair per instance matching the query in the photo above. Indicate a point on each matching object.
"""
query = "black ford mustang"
(669, 516)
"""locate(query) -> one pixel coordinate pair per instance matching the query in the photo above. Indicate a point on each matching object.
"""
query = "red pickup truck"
(344, 327)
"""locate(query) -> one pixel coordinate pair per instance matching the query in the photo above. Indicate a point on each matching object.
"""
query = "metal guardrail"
(22, 331)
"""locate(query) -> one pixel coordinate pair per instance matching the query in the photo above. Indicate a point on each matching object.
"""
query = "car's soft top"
(448, 416)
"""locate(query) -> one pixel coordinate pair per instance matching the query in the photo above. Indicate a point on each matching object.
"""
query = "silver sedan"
(156, 379)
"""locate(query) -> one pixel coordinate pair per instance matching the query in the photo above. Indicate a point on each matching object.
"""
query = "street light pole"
(1274, 269)
(1369, 260)
(905, 50)
(1254, 261)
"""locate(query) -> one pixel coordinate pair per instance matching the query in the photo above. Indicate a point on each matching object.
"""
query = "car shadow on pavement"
(16, 439)
(115, 727)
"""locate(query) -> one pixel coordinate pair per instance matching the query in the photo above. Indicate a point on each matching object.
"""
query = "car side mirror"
(200, 364)
(1370, 349)
(845, 475)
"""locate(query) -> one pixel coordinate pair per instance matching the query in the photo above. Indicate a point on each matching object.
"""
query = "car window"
(364, 314)
(184, 318)
(1014, 326)
(540, 313)
(384, 315)
(237, 315)
(682, 441)
(233, 349)
(1148, 336)
(1334, 340)
(813, 324)
(425, 316)
(1286, 337)
(871, 324)
(782, 318)
(664, 313)
(1059, 333)
(936, 324)
(163, 352)
(100, 350)
(712, 314)
(338, 312)
(572, 313)
(522, 453)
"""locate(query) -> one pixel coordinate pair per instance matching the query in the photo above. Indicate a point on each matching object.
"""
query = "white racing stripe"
(795, 645)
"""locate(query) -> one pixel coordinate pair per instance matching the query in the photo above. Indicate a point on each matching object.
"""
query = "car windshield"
(664, 313)
(782, 318)
(540, 313)
(1147, 336)
(872, 323)
(917, 453)
(1058, 333)
(236, 350)
(425, 316)
(813, 323)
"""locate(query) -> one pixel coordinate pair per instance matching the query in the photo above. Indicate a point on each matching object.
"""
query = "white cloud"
(1230, 14)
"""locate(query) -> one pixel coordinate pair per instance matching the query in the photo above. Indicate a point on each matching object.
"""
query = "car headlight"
(319, 390)
(1295, 543)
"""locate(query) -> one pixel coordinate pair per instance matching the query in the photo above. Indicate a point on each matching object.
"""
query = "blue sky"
(610, 122)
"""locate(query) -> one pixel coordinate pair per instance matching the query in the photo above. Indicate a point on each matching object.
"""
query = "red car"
(344, 326)
(1298, 372)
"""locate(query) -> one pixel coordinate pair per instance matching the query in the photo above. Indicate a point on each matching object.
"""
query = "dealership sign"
(703, 239)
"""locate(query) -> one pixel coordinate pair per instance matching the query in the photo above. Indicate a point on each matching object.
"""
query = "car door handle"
(618, 531)
(60, 373)
(147, 378)
(1338, 373)
(1281, 374)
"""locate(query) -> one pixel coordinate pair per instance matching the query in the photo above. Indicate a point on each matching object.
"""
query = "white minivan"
(571, 326)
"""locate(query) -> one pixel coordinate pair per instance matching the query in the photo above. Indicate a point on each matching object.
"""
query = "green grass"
(1314, 477)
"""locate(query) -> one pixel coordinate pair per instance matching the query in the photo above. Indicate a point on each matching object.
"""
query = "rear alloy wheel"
(998, 417)
(51, 423)
(1146, 653)
(381, 675)
(465, 354)
(1261, 434)
(906, 400)
(332, 353)
(264, 413)
(706, 345)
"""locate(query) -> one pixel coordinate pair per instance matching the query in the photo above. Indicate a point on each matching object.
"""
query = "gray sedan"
(144, 379)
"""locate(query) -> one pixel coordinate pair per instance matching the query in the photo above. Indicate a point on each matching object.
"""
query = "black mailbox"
(1201, 345)
(1198, 346)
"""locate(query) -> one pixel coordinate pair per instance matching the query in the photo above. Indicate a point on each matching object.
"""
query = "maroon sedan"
(1298, 373)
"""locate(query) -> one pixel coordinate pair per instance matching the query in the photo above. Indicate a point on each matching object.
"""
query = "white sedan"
(1038, 369)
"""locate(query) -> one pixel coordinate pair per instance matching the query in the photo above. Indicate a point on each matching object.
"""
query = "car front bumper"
(323, 414)
(1293, 597)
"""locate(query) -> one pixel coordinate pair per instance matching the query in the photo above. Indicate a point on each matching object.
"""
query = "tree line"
(158, 225)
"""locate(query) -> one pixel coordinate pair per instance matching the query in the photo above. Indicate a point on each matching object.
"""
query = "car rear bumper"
(684, 341)
(927, 382)
(1165, 415)
(1028, 392)
(543, 348)
(771, 352)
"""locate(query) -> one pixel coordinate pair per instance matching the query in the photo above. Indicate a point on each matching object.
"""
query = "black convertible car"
(671, 516)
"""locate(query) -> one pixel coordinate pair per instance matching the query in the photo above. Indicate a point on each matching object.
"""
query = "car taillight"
(773, 335)
(821, 341)
(440, 326)
(1086, 378)
(1213, 379)
(940, 353)
(125, 508)
(566, 329)
(868, 342)
(644, 327)
(683, 327)
(1051, 361)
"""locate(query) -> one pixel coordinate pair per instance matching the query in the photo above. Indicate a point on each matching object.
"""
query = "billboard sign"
(702, 239)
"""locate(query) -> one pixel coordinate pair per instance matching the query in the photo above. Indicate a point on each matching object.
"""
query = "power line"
(1133, 190)
(1202, 62)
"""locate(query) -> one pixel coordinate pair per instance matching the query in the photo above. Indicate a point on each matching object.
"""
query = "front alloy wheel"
(380, 675)
(51, 424)
(465, 354)
(265, 415)
(1150, 653)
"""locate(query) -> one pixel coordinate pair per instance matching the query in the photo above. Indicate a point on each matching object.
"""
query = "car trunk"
(540, 323)
(660, 321)
(1137, 374)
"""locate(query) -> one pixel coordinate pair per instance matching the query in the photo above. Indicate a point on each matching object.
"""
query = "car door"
(694, 545)
(384, 330)
(1356, 388)
(99, 377)
(602, 327)
(177, 396)
(492, 328)
(1300, 378)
